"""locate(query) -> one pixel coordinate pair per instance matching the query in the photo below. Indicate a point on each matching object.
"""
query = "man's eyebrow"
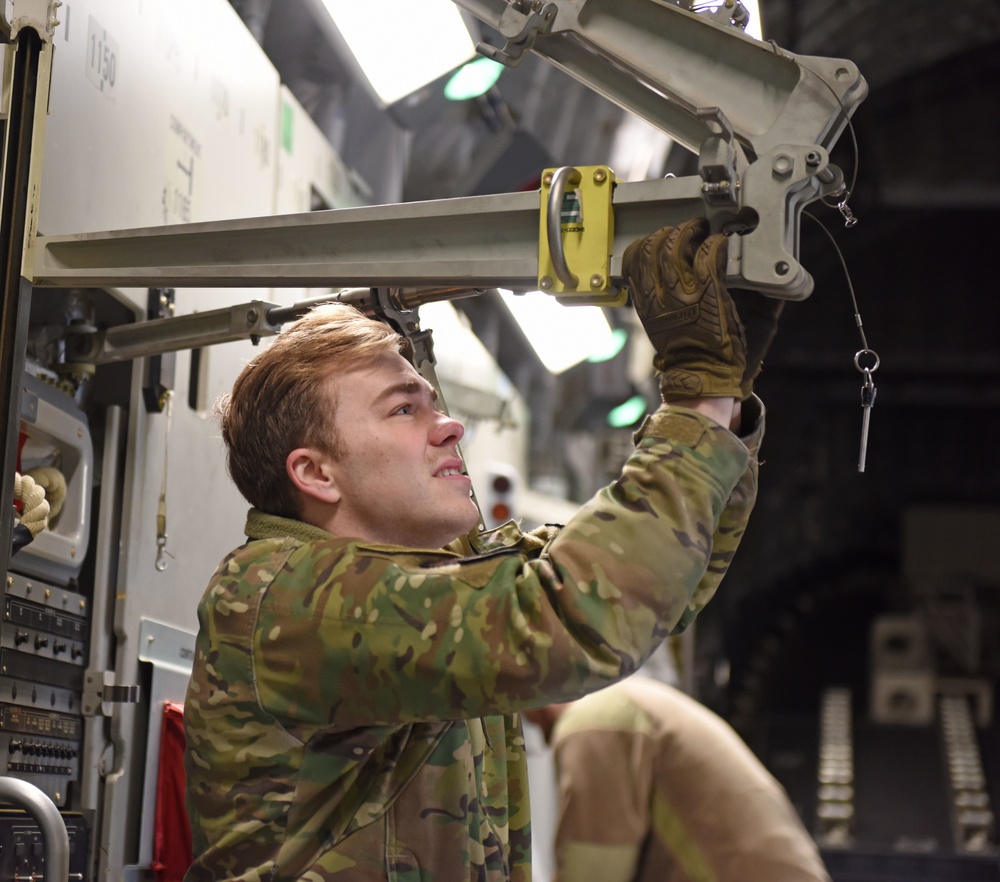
(407, 387)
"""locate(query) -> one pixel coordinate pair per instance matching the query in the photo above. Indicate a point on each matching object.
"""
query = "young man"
(654, 787)
(361, 662)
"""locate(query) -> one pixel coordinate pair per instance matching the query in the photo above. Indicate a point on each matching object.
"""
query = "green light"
(627, 414)
(619, 336)
(473, 79)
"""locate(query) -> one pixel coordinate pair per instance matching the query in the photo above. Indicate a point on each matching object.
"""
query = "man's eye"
(405, 409)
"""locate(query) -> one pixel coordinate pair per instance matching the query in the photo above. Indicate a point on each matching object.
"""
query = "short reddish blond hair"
(280, 400)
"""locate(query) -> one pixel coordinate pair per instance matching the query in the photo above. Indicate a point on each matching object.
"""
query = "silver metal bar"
(676, 119)
(55, 838)
(125, 342)
(471, 242)
(564, 177)
(240, 322)
(491, 239)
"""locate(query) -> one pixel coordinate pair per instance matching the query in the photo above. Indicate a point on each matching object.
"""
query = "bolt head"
(783, 164)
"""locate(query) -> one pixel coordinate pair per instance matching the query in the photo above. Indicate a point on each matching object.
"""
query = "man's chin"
(467, 524)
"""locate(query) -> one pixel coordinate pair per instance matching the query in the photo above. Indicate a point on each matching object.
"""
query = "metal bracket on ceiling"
(731, 13)
(539, 19)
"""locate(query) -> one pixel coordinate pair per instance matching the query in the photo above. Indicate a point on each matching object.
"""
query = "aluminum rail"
(43, 811)
(471, 242)
(419, 243)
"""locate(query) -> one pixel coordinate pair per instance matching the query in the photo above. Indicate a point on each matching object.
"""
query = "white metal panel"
(310, 176)
(161, 111)
(309, 169)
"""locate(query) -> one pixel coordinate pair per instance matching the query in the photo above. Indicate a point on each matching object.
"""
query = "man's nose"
(447, 431)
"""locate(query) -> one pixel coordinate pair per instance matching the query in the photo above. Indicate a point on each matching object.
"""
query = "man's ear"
(310, 470)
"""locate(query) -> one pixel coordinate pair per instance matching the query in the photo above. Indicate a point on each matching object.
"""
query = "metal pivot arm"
(665, 63)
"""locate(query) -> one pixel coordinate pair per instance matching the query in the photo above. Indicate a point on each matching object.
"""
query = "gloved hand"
(676, 277)
(759, 317)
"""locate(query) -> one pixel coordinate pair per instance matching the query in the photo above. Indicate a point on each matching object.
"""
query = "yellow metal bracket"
(576, 236)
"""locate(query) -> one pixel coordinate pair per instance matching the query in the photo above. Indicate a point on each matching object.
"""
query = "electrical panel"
(22, 851)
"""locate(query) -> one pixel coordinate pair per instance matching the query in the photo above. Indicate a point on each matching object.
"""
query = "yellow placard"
(576, 266)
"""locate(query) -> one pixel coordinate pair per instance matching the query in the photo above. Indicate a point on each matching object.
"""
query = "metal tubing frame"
(55, 837)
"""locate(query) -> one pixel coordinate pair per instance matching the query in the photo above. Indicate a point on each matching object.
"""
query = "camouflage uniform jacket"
(353, 709)
(654, 787)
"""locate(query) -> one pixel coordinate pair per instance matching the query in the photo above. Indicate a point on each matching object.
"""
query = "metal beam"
(480, 238)
(471, 242)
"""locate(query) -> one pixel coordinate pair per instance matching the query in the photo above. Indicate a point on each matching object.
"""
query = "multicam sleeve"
(396, 635)
(734, 517)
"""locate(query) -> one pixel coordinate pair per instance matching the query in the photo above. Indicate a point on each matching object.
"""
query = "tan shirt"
(654, 787)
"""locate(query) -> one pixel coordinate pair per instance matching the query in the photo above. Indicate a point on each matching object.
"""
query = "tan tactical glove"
(759, 317)
(676, 277)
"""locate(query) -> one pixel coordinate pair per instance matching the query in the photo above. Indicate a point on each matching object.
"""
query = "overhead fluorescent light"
(473, 79)
(618, 339)
(754, 28)
(561, 335)
(402, 45)
(628, 413)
